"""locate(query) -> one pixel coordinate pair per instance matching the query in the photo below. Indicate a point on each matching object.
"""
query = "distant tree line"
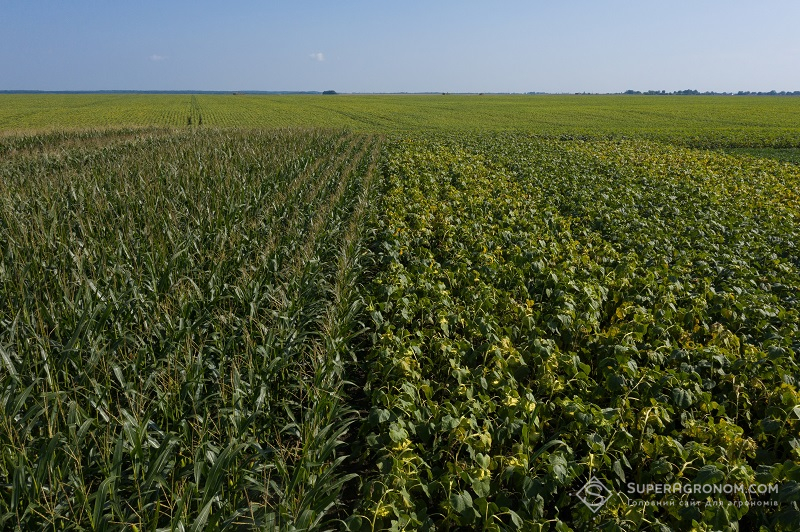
(691, 92)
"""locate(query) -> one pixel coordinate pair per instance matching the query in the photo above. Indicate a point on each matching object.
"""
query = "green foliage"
(176, 315)
(547, 311)
(221, 328)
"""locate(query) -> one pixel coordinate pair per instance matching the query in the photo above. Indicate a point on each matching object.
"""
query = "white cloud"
(156, 57)
(319, 56)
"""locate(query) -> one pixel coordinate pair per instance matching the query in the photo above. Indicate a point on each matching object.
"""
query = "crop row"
(176, 312)
(548, 312)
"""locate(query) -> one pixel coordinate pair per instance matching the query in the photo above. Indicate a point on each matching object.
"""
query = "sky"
(409, 46)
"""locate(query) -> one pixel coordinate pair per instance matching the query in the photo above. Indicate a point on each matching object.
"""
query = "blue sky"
(410, 46)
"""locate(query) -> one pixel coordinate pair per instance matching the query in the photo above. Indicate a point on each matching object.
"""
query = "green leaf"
(709, 474)
(682, 398)
(789, 492)
(516, 519)
(483, 460)
(617, 468)
(379, 415)
(559, 468)
(461, 501)
(397, 433)
(482, 488)
(101, 496)
(200, 521)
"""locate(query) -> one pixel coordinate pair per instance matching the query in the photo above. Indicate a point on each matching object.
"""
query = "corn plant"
(176, 314)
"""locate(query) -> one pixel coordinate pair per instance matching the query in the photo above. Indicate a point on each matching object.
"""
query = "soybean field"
(399, 313)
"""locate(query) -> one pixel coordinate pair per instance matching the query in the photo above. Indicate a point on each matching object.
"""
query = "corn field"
(176, 313)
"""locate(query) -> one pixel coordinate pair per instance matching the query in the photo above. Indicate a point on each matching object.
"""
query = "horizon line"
(629, 92)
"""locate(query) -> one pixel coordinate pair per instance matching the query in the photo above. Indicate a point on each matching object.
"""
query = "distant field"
(81, 111)
(702, 121)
